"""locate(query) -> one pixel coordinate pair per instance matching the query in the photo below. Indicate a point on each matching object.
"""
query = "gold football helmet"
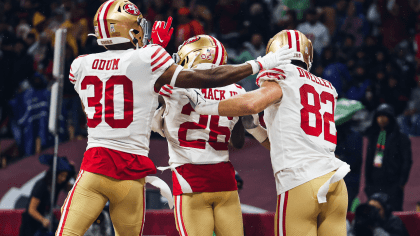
(295, 40)
(200, 49)
(120, 21)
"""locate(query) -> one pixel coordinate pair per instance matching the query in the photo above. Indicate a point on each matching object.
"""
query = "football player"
(299, 114)
(204, 185)
(118, 89)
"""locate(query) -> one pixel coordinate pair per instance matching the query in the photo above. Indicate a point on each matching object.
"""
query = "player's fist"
(162, 32)
(250, 121)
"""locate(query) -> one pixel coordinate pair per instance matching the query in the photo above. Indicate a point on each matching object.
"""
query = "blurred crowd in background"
(368, 49)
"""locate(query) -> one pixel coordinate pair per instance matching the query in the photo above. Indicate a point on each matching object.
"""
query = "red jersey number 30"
(95, 101)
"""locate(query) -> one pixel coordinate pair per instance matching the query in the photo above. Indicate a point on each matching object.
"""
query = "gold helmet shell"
(201, 49)
(120, 21)
(295, 40)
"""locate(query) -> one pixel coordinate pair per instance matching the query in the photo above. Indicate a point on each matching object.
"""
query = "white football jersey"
(117, 91)
(301, 127)
(198, 139)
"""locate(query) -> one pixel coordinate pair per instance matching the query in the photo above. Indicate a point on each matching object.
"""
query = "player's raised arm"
(221, 75)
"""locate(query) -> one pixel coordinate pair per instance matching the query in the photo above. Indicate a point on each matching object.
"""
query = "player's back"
(301, 126)
(195, 138)
(117, 91)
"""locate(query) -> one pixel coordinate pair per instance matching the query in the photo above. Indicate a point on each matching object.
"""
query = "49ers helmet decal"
(120, 21)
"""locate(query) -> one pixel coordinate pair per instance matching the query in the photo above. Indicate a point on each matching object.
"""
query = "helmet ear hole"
(136, 31)
(119, 9)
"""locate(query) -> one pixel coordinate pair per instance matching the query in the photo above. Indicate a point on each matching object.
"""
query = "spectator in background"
(366, 222)
(335, 71)
(257, 19)
(388, 157)
(359, 83)
(298, 6)
(288, 21)
(256, 47)
(22, 64)
(354, 24)
(349, 149)
(346, 50)
(33, 219)
(390, 223)
(409, 121)
(395, 16)
(187, 27)
(394, 95)
(229, 19)
(315, 31)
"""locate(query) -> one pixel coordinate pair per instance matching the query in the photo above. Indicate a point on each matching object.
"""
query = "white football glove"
(283, 56)
(157, 121)
(252, 125)
(250, 121)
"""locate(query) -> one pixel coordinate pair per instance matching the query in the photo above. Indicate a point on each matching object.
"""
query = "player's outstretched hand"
(283, 56)
(250, 121)
(162, 32)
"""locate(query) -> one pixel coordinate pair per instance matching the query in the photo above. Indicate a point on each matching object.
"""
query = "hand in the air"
(162, 32)
(283, 56)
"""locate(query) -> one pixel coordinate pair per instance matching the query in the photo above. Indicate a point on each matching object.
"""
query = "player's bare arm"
(252, 102)
(215, 77)
(245, 104)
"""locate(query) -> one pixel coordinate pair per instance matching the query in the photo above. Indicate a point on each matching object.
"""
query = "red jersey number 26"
(95, 101)
(320, 121)
(215, 130)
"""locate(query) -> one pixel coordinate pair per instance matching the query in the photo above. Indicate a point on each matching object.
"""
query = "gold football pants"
(299, 213)
(88, 197)
(199, 214)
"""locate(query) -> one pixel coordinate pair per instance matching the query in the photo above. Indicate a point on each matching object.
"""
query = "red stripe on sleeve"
(71, 74)
(271, 75)
(161, 64)
(157, 51)
(297, 41)
(289, 38)
(157, 59)
(279, 70)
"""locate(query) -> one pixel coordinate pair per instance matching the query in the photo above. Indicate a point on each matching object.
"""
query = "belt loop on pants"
(339, 174)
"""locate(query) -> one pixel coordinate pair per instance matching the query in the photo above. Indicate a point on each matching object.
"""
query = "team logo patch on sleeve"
(131, 9)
